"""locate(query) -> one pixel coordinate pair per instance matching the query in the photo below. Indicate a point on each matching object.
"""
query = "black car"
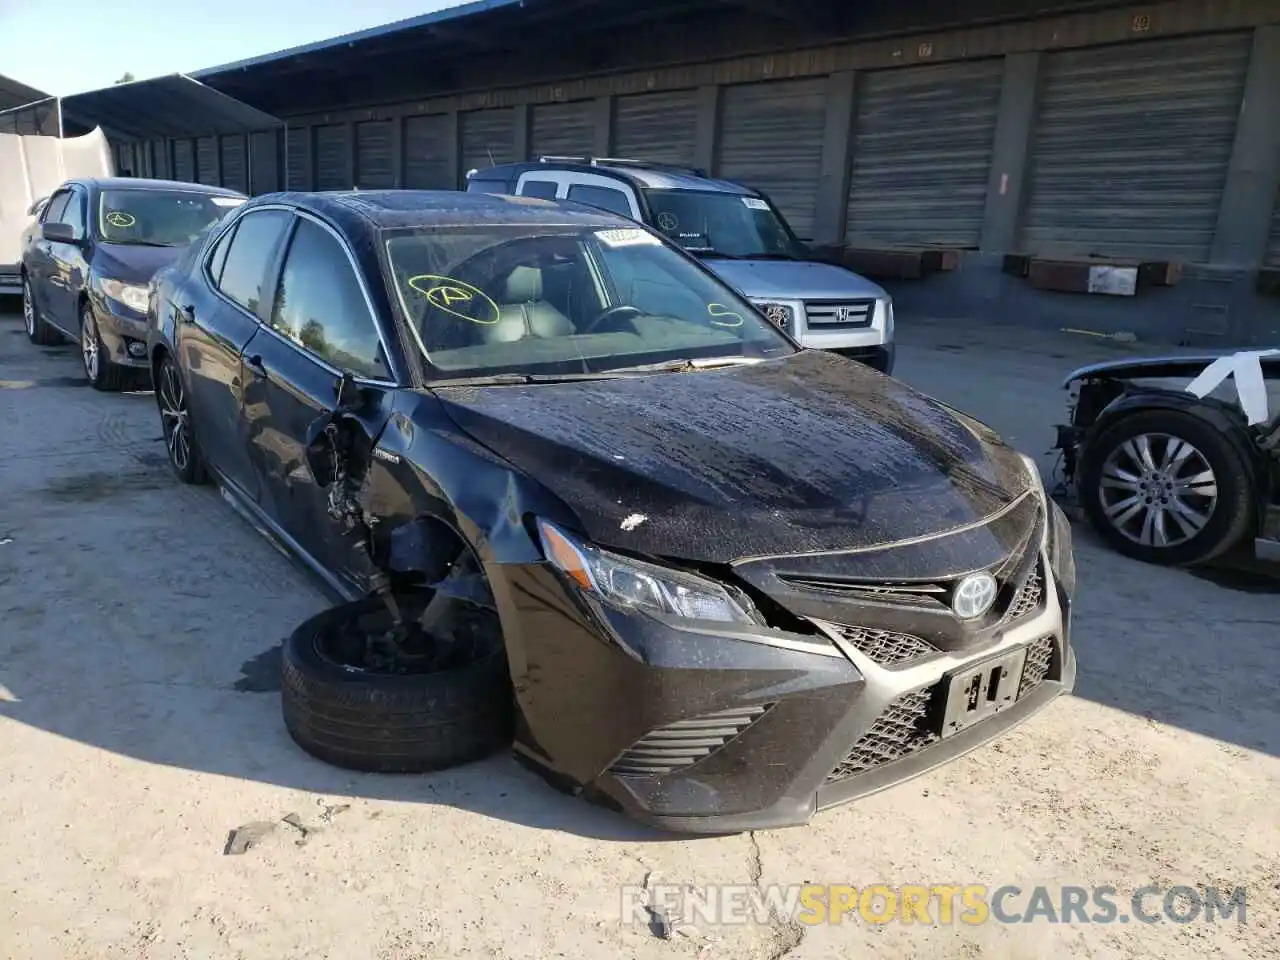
(550, 460)
(89, 257)
(1176, 460)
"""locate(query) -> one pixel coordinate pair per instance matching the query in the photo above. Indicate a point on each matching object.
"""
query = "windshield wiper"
(774, 255)
(143, 243)
(500, 379)
(688, 364)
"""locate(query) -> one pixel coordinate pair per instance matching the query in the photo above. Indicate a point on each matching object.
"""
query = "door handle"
(187, 314)
(255, 364)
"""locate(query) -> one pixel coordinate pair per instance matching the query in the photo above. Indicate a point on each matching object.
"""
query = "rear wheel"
(1165, 487)
(38, 332)
(102, 373)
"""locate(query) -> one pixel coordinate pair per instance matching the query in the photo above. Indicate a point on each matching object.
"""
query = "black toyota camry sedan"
(90, 255)
(731, 581)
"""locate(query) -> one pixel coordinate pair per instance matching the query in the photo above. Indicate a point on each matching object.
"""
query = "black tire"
(38, 332)
(1230, 518)
(101, 373)
(175, 415)
(385, 723)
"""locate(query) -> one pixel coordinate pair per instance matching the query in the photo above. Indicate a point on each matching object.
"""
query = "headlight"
(132, 295)
(634, 585)
(781, 315)
(1057, 534)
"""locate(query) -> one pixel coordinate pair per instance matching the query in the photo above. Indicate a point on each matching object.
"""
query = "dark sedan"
(88, 259)
(731, 581)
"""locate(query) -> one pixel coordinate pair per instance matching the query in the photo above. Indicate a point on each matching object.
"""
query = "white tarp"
(32, 167)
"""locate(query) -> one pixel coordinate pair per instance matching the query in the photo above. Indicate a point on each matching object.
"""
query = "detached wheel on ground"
(102, 373)
(347, 713)
(175, 421)
(38, 332)
(1165, 487)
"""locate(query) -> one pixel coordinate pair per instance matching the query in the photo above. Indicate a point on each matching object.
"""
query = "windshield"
(722, 224)
(159, 218)
(555, 300)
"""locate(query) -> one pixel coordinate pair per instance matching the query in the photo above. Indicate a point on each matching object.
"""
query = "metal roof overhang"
(175, 106)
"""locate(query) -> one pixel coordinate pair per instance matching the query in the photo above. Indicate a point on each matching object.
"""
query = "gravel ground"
(139, 724)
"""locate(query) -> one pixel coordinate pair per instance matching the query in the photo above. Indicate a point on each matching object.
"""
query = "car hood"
(131, 263)
(808, 454)
(792, 279)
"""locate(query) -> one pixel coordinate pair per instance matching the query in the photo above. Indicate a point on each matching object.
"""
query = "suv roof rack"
(627, 162)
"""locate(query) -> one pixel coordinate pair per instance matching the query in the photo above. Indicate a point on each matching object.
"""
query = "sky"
(69, 46)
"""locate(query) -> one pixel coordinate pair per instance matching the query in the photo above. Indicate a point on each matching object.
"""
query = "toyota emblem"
(974, 595)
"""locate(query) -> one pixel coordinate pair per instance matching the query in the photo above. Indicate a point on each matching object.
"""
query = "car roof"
(654, 176)
(389, 209)
(139, 183)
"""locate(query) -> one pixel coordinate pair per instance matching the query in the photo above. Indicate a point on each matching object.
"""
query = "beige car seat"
(523, 312)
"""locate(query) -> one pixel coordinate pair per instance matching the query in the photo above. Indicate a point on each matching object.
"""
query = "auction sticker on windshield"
(627, 238)
(754, 203)
(227, 201)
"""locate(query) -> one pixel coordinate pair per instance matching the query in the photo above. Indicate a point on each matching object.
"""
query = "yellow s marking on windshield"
(120, 219)
(456, 297)
(722, 316)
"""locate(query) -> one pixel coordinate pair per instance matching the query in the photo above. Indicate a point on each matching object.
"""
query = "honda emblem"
(842, 314)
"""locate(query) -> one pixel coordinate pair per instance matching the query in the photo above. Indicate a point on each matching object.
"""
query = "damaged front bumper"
(725, 728)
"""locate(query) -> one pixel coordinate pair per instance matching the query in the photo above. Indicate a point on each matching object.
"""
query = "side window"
(321, 307)
(606, 198)
(249, 254)
(543, 189)
(53, 212)
(219, 257)
(488, 186)
(73, 216)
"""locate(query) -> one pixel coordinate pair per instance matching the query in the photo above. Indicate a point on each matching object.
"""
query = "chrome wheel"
(89, 344)
(28, 309)
(173, 415)
(1157, 490)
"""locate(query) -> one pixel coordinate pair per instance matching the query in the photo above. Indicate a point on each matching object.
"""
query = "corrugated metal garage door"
(160, 159)
(298, 158)
(333, 157)
(264, 162)
(184, 164)
(207, 160)
(771, 139)
(1131, 147)
(426, 153)
(235, 171)
(488, 138)
(373, 155)
(662, 127)
(563, 129)
(922, 154)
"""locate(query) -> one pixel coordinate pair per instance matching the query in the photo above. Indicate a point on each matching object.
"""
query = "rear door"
(40, 272)
(321, 324)
(211, 334)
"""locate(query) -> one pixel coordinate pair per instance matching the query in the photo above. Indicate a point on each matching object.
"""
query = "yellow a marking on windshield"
(722, 316)
(444, 292)
(118, 218)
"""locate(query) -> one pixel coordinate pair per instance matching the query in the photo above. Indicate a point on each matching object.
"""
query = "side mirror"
(58, 232)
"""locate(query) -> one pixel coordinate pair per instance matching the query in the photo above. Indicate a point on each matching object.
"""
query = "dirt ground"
(139, 724)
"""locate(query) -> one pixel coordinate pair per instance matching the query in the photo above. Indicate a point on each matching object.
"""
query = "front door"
(39, 261)
(212, 332)
(320, 326)
(67, 268)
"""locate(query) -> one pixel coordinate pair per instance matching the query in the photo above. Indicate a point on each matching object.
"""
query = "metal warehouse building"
(986, 157)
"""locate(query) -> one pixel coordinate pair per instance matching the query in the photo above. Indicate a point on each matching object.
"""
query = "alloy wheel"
(89, 344)
(28, 309)
(173, 415)
(1157, 490)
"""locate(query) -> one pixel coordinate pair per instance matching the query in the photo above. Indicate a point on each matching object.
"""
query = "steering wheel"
(622, 311)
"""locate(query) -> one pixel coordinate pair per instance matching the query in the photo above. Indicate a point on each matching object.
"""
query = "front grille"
(1036, 668)
(901, 730)
(839, 314)
(884, 646)
(1028, 598)
(685, 742)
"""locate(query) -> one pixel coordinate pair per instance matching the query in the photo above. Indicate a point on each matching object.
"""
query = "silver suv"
(735, 230)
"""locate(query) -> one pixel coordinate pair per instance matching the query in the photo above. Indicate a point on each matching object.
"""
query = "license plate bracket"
(981, 690)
